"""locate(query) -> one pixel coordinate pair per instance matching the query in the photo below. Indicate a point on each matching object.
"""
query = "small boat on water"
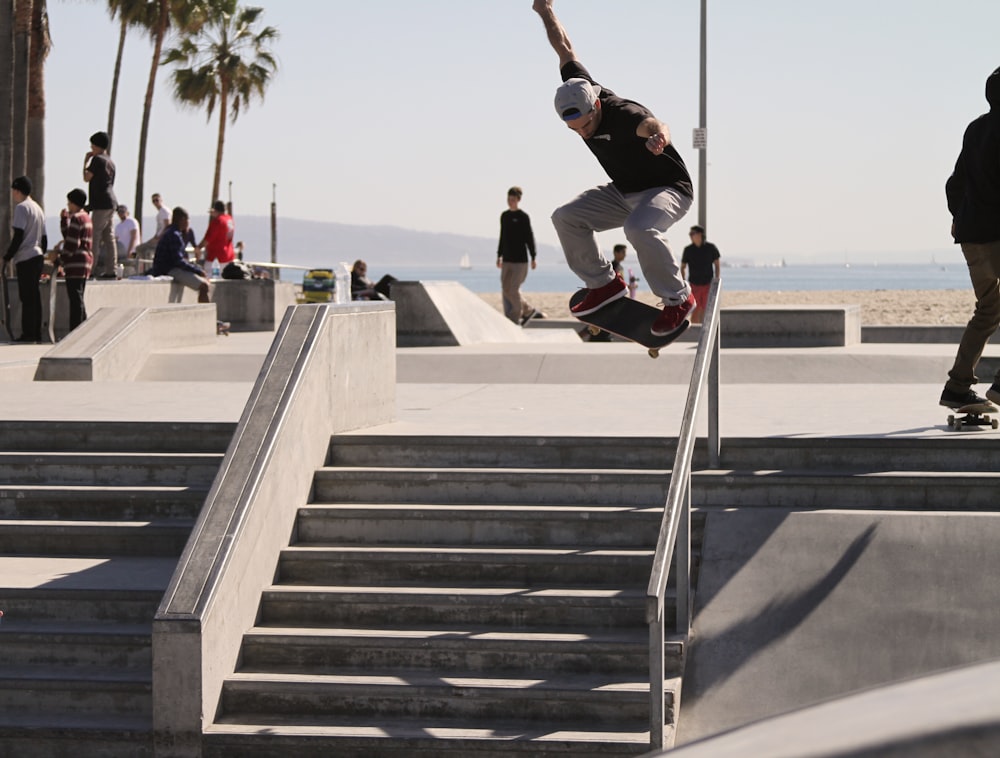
(464, 262)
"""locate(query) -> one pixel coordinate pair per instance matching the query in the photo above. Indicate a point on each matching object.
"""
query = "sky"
(832, 127)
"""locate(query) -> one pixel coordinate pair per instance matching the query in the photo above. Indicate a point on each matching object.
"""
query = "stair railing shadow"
(674, 540)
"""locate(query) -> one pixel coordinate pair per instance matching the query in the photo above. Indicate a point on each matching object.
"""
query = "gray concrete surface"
(794, 608)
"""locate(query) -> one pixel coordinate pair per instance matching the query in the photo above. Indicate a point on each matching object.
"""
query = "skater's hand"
(656, 144)
(540, 6)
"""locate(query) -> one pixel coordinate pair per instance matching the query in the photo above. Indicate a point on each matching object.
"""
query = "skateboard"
(629, 319)
(53, 278)
(975, 415)
(222, 327)
(6, 301)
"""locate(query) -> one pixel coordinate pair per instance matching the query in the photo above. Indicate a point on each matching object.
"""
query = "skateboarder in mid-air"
(650, 189)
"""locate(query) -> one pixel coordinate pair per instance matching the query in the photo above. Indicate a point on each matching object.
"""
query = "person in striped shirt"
(75, 253)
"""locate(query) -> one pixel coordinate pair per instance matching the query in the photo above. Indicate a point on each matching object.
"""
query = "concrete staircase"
(93, 517)
(458, 596)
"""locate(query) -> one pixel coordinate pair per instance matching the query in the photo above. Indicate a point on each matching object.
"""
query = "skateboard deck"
(53, 278)
(6, 301)
(629, 319)
(975, 415)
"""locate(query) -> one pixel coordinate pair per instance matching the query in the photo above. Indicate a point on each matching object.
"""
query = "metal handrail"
(675, 526)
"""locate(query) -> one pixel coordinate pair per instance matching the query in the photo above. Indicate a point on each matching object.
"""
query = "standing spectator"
(75, 253)
(170, 259)
(145, 250)
(127, 234)
(516, 243)
(27, 249)
(218, 240)
(99, 172)
(703, 260)
(973, 192)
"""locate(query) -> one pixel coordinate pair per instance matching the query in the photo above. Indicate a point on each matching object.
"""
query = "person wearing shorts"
(171, 261)
(700, 263)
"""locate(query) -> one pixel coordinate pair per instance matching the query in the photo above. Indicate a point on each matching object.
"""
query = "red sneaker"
(597, 299)
(673, 317)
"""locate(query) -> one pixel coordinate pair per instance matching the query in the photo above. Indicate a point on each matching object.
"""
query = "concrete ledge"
(249, 305)
(331, 368)
(113, 344)
(447, 314)
(791, 326)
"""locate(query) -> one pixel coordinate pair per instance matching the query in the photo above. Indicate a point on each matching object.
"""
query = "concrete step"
(273, 736)
(42, 690)
(108, 646)
(108, 469)
(474, 524)
(72, 734)
(116, 436)
(427, 451)
(391, 607)
(104, 503)
(932, 454)
(495, 566)
(93, 537)
(896, 490)
(312, 650)
(588, 700)
(470, 485)
(69, 605)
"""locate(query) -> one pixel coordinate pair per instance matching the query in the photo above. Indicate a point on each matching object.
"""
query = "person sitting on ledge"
(171, 261)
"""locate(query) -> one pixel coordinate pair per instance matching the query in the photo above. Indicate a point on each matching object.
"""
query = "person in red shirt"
(217, 243)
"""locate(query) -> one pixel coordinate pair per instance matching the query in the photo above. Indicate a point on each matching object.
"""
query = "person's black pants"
(29, 274)
(77, 308)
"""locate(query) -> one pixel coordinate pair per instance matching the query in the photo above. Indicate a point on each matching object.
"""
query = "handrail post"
(714, 440)
(657, 672)
(682, 556)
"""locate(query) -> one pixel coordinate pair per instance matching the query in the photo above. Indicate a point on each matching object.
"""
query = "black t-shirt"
(700, 262)
(101, 188)
(516, 238)
(622, 153)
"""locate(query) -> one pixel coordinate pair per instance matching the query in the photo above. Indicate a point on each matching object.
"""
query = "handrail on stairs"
(675, 526)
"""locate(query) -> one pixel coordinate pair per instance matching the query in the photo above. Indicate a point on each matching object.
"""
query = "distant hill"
(321, 243)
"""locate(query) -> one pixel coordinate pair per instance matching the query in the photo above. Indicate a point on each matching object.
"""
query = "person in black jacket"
(517, 242)
(973, 192)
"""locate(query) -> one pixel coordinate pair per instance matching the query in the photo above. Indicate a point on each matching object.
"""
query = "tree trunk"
(161, 32)
(114, 81)
(22, 63)
(220, 144)
(40, 45)
(6, 116)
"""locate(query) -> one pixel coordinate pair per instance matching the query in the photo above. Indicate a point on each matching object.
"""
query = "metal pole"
(274, 230)
(703, 124)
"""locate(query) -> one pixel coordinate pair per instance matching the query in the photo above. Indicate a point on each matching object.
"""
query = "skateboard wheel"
(994, 423)
(654, 353)
(594, 331)
(951, 421)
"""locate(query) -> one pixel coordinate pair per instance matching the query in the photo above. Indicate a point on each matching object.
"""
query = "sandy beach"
(878, 307)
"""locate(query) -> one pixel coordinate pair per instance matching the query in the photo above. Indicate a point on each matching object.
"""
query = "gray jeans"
(512, 276)
(984, 270)
(105, 245)
(644, 217)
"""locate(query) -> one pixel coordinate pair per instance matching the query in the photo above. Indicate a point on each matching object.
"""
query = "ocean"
(556, 277)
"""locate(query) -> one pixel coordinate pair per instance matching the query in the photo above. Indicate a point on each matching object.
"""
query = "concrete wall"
(439, 314)
(114, 344)
(249, 305)
(791, 325)
(331, 368)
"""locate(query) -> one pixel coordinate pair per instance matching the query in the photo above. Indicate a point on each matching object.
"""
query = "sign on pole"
(700, 138)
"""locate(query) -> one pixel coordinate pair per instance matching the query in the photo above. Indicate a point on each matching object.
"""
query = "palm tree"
(6, 111)
(134, 13)
(187, 16)
(41, 43)
(227, 64)
(22, 64)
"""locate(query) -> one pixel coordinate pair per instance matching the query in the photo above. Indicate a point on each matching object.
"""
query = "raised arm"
(555, 31)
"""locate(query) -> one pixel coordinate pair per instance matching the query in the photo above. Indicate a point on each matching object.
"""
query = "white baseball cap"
(575, 98)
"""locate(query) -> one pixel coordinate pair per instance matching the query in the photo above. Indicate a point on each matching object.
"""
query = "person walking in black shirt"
(973, 192)
(701, 259)
(517, 242)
